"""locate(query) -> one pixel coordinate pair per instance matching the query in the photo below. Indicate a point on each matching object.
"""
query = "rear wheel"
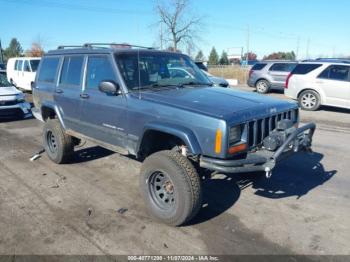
(262, 86)
(309, 100)
(170, 187)
(58, 145)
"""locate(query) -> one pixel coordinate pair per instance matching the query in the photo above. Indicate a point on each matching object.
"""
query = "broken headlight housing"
(235, 135)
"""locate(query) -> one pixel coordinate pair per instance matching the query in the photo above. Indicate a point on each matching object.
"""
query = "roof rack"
(333, 60)
(115, 45)
(69, 46)
(103, 45)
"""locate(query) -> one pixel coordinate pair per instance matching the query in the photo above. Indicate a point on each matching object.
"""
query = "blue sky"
(273, 25)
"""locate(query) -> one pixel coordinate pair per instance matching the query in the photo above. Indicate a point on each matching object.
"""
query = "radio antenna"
(139, 71)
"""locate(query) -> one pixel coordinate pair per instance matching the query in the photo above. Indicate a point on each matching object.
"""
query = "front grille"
(11, 112)
(8, 103)
(260, 128)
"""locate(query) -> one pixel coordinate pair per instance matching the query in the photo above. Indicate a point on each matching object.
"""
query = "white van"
(21, 71)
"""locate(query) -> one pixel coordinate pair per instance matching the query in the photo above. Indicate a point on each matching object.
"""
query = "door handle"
(84, 96)
(59, 91)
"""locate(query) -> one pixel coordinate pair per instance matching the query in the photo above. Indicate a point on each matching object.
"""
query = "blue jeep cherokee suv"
(124, 98)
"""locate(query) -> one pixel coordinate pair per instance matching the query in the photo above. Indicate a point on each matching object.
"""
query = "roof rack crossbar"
(330, 60)
(91, 45)
(69, 46)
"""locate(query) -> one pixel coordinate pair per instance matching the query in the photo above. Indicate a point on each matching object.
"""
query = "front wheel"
(171, 187)
(262, 86)
(309, 100)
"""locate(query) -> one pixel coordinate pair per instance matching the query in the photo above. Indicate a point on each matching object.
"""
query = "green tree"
(251, 56)
(213, 57)
(14, 49)
(200, 56)
(224, 59)
(281, 56)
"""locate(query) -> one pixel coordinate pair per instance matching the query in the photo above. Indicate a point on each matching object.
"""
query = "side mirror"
(109, 87)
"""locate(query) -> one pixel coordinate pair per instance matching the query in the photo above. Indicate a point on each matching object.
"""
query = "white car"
(12, 103)
(320, 82)
(21, 71)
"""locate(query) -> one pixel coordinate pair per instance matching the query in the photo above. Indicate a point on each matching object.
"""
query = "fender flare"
(55, 108)
(184, 133)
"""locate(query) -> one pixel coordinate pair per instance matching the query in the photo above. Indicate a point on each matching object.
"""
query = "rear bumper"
(251, 83)
(22, 109)
(264, 160)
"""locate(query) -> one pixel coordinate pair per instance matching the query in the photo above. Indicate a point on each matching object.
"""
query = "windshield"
(3, 81)
(34, 65)
(159, 69)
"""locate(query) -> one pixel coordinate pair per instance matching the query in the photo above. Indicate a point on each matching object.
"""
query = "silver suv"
(267, 75)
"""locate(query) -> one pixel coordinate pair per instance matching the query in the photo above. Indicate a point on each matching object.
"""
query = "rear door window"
(26, 67)
(72, 70)
(258, 66)
(34, 65)
(48, 69)
(19, 65)
(336, 72)
(282, 67)
(303, 69)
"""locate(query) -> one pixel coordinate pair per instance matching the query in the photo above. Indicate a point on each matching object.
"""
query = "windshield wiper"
(192, 83)
(155, 86)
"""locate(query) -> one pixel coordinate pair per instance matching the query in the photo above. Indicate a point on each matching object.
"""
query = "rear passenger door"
(68, 90)
(26, 75)
(334, 82)
(103, 115)
(279, 73)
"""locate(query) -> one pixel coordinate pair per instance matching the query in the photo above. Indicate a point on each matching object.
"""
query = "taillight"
(250, 72)
(287, 80)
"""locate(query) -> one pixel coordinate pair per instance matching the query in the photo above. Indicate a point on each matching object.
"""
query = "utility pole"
(297, 50)
(161, 36)
(307, 48)
(248, 40)
(1, 54)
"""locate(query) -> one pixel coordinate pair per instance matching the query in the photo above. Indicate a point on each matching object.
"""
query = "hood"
(223, 103)
(9, 92)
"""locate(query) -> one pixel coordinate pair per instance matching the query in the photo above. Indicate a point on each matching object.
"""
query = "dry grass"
(230, 72)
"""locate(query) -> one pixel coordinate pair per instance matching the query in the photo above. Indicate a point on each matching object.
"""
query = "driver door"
(103, 116)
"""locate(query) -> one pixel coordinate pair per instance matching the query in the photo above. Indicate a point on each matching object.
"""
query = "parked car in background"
(320, 82)
(2, 68)
(217, 81)
(267, 75)
(21, 71)
(12, 103)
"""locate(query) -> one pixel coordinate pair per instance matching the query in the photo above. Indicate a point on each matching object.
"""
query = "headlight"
(20, 98)
(235, 134)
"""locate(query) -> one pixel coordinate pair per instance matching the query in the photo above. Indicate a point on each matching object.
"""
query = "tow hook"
(268, 172)
(183, 150)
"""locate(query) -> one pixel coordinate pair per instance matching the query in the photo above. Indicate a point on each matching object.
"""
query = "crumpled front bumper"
(19, 108)
(264, 160)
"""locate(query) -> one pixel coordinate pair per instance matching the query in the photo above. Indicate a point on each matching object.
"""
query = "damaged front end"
(281, 141)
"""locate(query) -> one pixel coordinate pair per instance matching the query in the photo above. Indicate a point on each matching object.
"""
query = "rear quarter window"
(258, 66)
(282, 67)
(48, 69)
(303, 69)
